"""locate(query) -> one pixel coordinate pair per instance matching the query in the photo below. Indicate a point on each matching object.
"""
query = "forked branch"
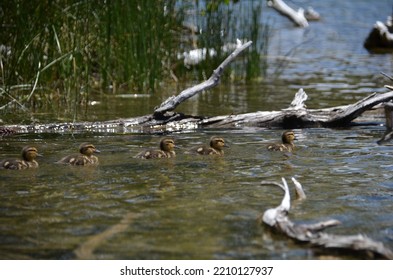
(312, 233)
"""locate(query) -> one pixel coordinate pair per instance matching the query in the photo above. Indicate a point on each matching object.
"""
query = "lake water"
(207, 207)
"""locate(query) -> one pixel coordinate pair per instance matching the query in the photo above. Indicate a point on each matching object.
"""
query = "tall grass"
(220, 23)
(51, 47)
(54, 53)
(139, 41)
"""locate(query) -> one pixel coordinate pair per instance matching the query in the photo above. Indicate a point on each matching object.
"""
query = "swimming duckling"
(85, 157)
(28, 160)
(216, 147)
(167, 146)
(287, 143)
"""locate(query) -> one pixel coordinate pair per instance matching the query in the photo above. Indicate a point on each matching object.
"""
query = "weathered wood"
(380, 37)
(165, 120)
(301, 117)
(297, 116)
(171, 103)
(311, 233)
(297, 17)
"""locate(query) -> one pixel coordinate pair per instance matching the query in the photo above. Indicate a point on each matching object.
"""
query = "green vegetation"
(57, 52)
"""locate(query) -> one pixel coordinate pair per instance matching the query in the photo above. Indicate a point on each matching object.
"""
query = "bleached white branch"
(296, 16)
(172, 102)
(312, 233)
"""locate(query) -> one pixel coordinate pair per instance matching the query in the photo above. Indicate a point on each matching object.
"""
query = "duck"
(85, 156)
(287, 143)
(167, 146)
(216, 147)
(29, 154)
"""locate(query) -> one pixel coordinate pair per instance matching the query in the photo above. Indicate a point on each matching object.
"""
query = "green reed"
(221, 22)
(55, 53)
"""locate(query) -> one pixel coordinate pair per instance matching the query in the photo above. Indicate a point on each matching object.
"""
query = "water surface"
(193, 207)
(207, 208)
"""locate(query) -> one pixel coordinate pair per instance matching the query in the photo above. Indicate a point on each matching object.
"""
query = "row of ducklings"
(167, 150)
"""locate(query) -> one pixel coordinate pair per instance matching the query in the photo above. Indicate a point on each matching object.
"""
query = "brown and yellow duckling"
(216, 147)
(287, 143)
(85, 157)
(167, 150)
(29, 154)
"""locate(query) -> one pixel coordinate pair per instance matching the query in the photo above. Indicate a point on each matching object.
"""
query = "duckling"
(85, 157)
(287, 143)
(28, 160)
(216, 147)
(167, 146)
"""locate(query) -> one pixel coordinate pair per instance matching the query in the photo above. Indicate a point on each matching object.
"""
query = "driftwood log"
(172, 102)
(292, 117)
(164, 119)
(300, 17)
(312, 234)
(380, 37)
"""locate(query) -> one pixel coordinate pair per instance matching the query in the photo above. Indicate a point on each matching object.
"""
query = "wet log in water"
(312, 234)
(164, 119)
(380, 37)
(292, 117)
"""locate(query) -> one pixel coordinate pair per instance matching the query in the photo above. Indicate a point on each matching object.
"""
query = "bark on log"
(164, 120)
(292, 117)
(311, 233)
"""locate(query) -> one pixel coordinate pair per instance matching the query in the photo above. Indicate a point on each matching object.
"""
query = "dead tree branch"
(172, 102)
(295, 116)
(295, 16)
(312, 233)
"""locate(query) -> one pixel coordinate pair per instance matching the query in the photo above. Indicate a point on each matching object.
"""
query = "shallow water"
(206, 207)
(193, 207)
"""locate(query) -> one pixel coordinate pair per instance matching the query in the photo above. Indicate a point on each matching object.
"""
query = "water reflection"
(193, 207)
(202, 207)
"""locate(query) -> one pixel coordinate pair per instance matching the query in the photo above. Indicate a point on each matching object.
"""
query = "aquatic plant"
(55, 54)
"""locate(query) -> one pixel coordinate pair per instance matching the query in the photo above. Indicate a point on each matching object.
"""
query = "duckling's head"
(167, 144)
(217, 143)
(30, 153)
(288, 137)
(88, 149)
